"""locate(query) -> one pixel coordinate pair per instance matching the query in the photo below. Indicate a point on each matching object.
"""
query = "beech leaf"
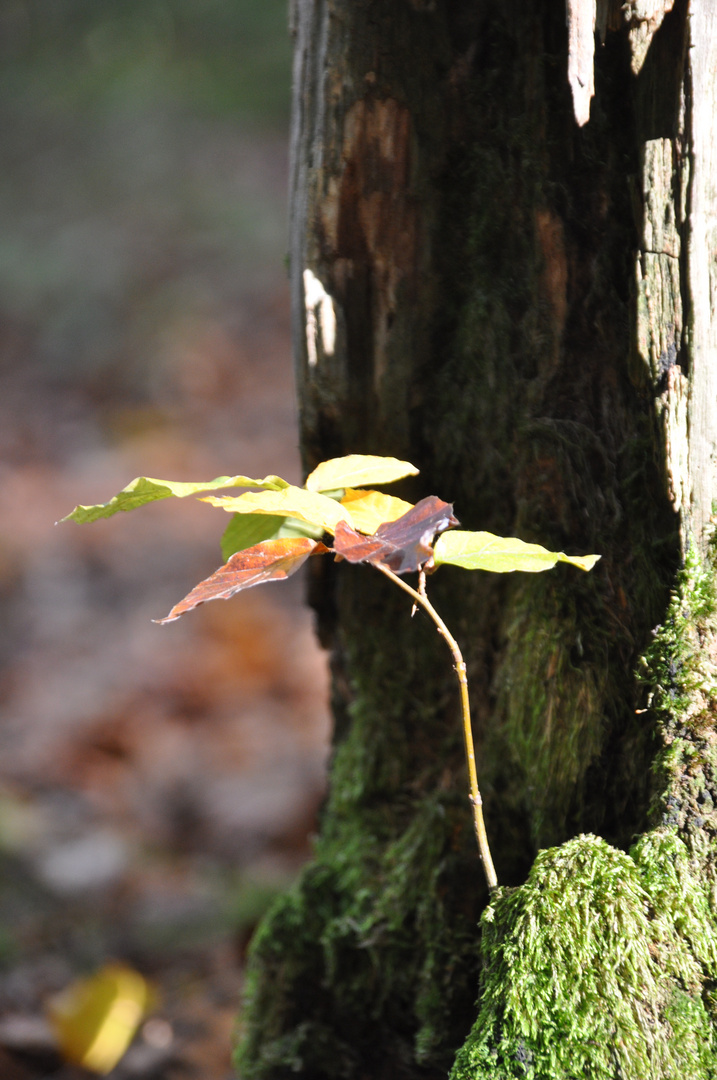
(296, 502)
(245, 530)
(402, 545)
(272, 560)
(144, 489)
(501, 554)
(95, 1018)
(357, 470)
(369, 509)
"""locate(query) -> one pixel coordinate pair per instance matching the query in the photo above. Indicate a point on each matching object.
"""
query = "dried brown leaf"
(271, 560)
(402, 545)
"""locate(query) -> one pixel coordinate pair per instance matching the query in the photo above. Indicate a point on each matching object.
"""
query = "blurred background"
(158, 785)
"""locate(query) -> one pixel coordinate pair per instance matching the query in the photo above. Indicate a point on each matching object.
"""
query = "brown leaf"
(271, 560)
(402, 545)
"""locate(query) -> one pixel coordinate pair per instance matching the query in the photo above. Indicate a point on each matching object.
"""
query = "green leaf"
(145, 490)
(246, 530)
(295, 527)
(501, 554)
(357, 470)
(291, 501)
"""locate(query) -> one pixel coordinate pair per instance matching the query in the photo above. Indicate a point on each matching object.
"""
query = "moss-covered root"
(598, 968)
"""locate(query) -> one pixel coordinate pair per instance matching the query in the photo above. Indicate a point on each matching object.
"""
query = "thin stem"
(419, 598)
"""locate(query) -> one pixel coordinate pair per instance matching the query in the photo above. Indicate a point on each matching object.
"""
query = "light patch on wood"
(320, 319)
(660, 315)
(608, 16)
(702, 263)
(643, 18)
(581, 51)
(674, 404)
(658, 269)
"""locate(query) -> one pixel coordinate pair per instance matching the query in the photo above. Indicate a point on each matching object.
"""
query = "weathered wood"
(702, 262)
(581, 48)
(644, 18)
(361, 208)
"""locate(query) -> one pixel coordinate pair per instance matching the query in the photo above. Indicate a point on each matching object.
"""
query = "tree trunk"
(522, 306)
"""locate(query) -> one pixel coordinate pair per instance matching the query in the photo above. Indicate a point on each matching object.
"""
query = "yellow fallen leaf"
(95, 1019)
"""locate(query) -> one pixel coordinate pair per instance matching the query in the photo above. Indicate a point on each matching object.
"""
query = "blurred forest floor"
(157, 784)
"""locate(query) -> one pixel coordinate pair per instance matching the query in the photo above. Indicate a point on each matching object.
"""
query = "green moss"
(676, 670)
(287, 973)
(683, 923)
(679, 677)
(551, 705)
(594, 968)
(366, 947)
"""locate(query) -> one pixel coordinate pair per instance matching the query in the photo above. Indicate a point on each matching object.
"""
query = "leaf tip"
(586, 562)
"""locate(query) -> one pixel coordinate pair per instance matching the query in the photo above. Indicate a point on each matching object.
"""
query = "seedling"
(275, 528)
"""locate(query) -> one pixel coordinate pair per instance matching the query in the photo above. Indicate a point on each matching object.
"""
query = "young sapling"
(276, 526)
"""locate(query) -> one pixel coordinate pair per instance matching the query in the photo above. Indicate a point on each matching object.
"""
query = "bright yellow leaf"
(357, 470)
(291, 501)
(95, 1019)
(369, 509)
(501, 554)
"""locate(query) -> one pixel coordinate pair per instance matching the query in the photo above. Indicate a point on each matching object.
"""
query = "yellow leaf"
(291, 501)
(501, 554)
(369, 509)
(357, 470)
(95, 1019)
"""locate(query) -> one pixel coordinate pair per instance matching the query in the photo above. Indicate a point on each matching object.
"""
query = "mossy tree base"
(599, 967)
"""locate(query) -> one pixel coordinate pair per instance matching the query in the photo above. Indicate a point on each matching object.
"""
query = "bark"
(521, 305)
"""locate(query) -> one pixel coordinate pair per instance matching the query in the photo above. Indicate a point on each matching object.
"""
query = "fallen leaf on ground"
(95, 1019)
